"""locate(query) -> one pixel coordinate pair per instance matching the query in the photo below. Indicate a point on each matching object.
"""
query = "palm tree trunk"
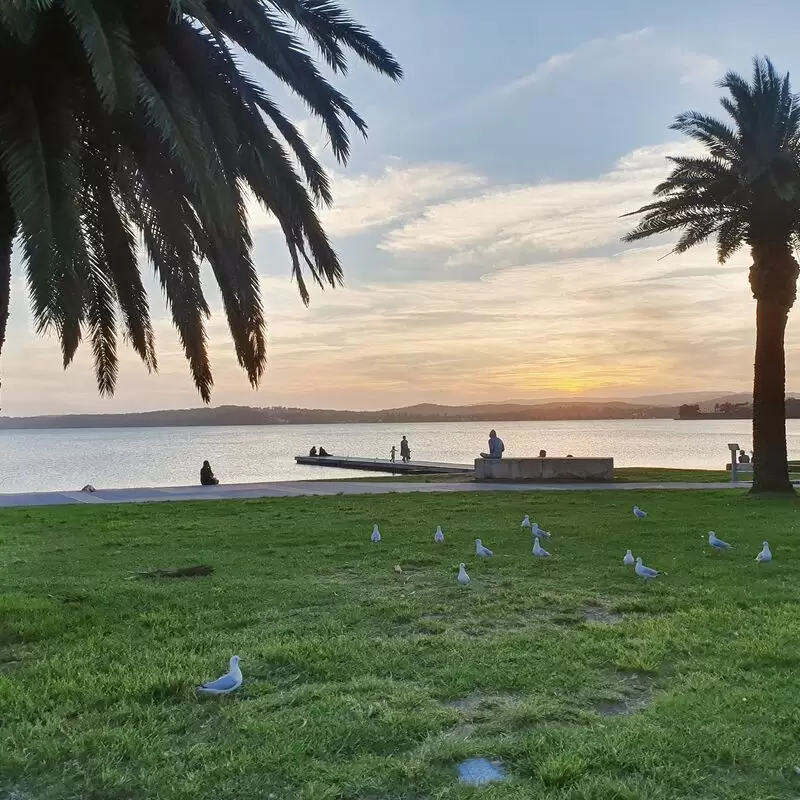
(770, 468)
(5, 286)
(773, 278)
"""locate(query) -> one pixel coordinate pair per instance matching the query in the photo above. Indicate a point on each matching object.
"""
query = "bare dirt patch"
(602, 616)
(635, 694)
(479, 702)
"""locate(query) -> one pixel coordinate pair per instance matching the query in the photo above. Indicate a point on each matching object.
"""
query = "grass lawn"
(621, 474)
(664, 475)
(367, 683)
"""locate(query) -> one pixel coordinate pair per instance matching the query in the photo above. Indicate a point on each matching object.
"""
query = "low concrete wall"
(544, 469)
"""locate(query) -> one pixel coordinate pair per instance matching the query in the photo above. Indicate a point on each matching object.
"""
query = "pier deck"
(385, 465)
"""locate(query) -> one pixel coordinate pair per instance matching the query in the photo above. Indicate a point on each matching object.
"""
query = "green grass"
(621, 474)
(362, 682)
(664, 475)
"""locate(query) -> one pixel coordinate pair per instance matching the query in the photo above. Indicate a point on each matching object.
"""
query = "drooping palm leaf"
(128, 118)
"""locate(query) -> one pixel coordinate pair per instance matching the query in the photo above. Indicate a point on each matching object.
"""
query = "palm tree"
(128, 126)
(746, 191)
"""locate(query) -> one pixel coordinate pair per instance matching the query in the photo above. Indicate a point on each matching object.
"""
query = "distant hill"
(550, 410)
(670, 399)
(426, 412)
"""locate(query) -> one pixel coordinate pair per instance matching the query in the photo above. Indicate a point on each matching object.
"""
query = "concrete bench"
(741, 467)
(544, 469)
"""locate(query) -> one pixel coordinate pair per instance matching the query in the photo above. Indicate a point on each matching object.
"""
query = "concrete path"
(243, 491)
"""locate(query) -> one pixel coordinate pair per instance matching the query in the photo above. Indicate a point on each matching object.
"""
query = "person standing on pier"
(394, 454)
(405, 450)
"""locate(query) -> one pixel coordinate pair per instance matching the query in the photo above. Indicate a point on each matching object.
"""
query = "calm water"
(121, 457)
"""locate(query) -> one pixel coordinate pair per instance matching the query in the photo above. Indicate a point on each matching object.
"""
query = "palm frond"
(328, 24)
(89, 27)
(747, 190)
(131, 118)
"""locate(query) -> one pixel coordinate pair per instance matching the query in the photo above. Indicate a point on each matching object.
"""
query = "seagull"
(438, 537)
(463, 578)
(480, 550)
(228, 683)
(376, 534)
(538, 550)
(716, 543)
(765, 554)
(629, 560)
(537, 531)
(645, 572)
(638, 513)
(526, 522)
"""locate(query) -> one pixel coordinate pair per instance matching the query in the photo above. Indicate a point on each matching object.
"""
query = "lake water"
(48, 460)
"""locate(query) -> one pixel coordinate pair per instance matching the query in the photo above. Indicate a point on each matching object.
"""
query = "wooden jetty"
(385, 465)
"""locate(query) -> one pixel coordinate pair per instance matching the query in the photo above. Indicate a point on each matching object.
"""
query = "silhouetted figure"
(324, 453)
(313, 451)
(543, 454)
(207, 476)
(405, 450)
(394, 453)
(743, 457)
(496, 446)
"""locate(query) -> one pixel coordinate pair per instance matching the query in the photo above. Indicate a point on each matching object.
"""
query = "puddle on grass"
(480, 771)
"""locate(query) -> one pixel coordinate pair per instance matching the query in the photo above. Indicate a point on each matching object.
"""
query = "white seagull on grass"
(629, 560)
(376, 534)
(765, 554)
(638, 513)
(645, 572)
(228, 683)
(716, 542)
(462, 578)
(526, 522)
(538, 550)
(480, 550)
(537, 531)
(438, 537)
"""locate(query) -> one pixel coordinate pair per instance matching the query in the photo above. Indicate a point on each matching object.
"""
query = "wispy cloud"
(610, 55)
(371, 201)
(560, 217)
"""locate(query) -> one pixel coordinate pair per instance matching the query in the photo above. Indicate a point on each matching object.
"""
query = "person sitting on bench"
(496, 446)
(743, 457)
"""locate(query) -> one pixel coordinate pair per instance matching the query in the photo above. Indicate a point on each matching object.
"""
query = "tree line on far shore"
(733, 410)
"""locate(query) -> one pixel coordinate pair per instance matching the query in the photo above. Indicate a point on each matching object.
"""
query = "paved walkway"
(243, 491)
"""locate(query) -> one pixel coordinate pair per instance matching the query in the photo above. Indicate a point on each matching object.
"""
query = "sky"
(479, 224)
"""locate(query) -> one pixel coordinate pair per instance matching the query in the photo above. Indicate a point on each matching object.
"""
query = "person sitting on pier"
(324, 453)
(207, 476)
(496, 446)
(543, 454)
(313, 451)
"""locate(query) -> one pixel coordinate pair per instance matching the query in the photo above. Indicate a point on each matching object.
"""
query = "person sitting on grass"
(207, 476)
